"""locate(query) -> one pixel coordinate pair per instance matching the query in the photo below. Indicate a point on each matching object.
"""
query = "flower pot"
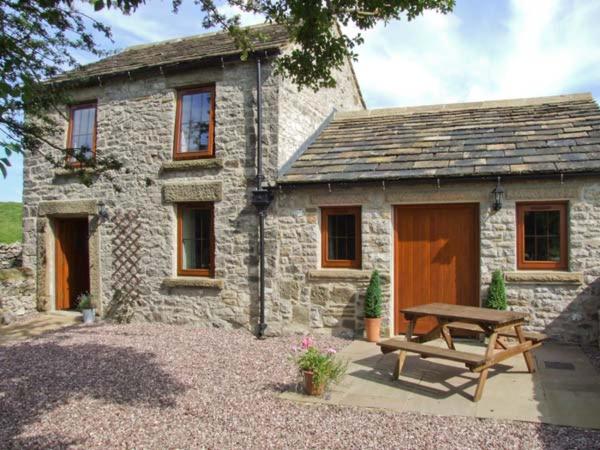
(89, 315)
(373, 329)
(309, 386)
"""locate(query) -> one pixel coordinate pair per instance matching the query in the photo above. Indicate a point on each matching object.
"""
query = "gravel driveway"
(159, 386)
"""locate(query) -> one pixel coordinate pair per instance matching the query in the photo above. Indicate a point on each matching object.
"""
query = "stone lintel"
(197, 282)
(339, 274)
(192, 164)
(543, 277)
(68, 207)
(193, 192)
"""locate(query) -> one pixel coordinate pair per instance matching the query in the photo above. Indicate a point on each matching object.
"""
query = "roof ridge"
(378, 112)
(187, 38)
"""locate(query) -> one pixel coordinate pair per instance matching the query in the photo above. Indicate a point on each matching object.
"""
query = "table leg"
(484, 373)
(526, 354)
(447, 336)
(402, 354)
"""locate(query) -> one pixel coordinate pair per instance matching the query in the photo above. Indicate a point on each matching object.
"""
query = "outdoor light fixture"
(498, 194)
(103, 212)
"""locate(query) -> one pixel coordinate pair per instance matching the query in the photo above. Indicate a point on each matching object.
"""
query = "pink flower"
(331, 351)
(307, 342)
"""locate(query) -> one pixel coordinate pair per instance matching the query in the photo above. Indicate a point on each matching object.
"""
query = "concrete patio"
(38, 325)
(565, 390)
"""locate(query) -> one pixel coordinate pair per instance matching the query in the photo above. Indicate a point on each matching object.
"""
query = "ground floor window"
(195, 237)
(542, 235)
(340, 237)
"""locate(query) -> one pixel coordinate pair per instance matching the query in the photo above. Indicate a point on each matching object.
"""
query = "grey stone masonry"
(17, 285)
(133, 248)
(562, 304)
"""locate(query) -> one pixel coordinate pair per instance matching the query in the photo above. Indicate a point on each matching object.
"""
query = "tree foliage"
(373, 297)
(496, 298)
(40, 39)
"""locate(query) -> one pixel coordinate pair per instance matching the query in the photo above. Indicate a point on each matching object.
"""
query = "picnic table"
(498, 327)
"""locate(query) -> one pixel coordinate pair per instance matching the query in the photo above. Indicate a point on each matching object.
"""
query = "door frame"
(395, 209)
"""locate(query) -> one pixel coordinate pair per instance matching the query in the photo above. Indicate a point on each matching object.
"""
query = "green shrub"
(373, 297)
(84, 301)
(496, 298)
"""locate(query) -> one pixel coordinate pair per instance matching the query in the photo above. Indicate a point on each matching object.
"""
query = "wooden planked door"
(72, 261)
(436, 258)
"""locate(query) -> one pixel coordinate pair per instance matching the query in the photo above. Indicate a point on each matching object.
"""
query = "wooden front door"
(436, 258)
(72, 261)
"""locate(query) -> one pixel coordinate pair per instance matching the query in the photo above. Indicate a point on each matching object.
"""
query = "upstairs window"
(542, 236)
(195, 253)
(194, 123)
(81, 141)
(340, 237)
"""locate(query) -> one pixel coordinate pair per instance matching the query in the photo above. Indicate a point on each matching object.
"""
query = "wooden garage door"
(437, 258)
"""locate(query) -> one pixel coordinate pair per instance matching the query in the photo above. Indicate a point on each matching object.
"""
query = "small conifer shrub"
(373, 297)
(496, 298)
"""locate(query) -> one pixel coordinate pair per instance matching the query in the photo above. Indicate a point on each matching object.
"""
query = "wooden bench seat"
(429, 351)
(536, 338)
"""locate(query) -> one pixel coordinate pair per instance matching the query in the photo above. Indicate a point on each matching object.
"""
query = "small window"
(542, 236)
(195, 236)
(81, 142)
(340, 237)
(194, 124)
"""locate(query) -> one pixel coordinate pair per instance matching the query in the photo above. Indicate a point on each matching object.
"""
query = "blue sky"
(482, 51)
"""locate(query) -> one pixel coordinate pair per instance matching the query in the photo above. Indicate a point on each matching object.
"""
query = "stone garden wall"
(17, 284)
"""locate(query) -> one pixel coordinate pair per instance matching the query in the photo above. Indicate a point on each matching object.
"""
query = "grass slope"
(10, 222)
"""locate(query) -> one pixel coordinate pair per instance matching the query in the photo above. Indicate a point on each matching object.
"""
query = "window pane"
(196, 236)
(82, 131)
(542, 236)
(341, 245)
(195, 120)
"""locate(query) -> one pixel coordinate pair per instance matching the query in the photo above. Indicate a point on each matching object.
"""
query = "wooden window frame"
(210, 151)
(72, 109)
(195, 272)
(328, 211)
(522, 208)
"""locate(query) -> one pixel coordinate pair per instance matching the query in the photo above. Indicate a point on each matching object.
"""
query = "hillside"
(10, 222)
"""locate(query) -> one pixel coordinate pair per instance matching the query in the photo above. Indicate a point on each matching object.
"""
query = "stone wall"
(10, 255)
(133, 250)
(562, 304)
(17, 285)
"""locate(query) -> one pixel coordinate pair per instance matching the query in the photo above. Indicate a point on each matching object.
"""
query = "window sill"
(196, 282)
(544, 277)
(192, 164)
(339, 274)
(74, 171)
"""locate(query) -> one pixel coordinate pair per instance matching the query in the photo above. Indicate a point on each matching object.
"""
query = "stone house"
(218, 152)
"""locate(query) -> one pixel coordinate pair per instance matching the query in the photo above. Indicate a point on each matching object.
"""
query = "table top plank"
(466, 313)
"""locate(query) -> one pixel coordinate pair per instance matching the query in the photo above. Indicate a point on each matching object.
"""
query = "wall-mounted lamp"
(498, 194)
(103, 212)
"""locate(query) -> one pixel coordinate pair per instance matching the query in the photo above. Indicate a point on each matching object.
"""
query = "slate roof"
(558, 134)
(176, 52)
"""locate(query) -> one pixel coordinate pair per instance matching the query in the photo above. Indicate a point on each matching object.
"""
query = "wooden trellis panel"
(126, 252)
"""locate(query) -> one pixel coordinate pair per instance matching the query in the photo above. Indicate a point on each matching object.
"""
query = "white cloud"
(543, 47)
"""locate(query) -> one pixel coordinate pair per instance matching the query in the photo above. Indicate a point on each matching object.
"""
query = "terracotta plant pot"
(373, 329)
(309, 386)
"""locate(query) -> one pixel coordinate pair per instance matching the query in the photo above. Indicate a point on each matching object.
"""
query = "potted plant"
(373, 308)
(318, 368)
(85, 306)
(496, 298)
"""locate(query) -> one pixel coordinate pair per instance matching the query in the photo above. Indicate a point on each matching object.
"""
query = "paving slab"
(565, 389)
(37, 325)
